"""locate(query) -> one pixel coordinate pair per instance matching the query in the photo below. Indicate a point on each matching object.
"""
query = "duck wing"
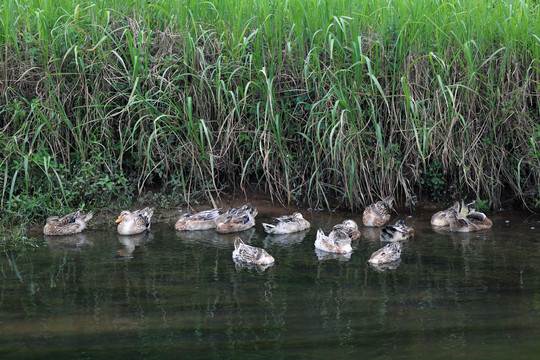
(476, 215)
(340, 235)
(283, 219)
(143, 217)
(206, 215)
(87, 217)
(402, 228)
(388, 253)
(250, 254)
(68, 219)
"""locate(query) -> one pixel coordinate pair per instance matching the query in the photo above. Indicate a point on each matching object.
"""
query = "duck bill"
(119, 219)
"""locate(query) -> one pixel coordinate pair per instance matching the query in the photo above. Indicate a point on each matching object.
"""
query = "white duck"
(250, 255)
(236, 219)
(203, 220)
(397, 232)
(287, 224)
(338, 241)
(386, 254)
(69, 224)
(131, 223)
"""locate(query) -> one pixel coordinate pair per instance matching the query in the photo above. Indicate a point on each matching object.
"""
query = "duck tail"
(396, 247)
(213, 214)
(253, 211)
(389, 200)
(386, 232)
(147, 214)
(86, 218)
(268, 227)
(237, 243)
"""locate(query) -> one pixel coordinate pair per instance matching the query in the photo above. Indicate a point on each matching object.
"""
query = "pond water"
(180, 295)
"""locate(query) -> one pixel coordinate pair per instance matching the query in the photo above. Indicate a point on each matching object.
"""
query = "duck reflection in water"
(130, 242)
(325, 255)
(371, 233)
(69, 242)
(239, 266)
(386, 266)
(286, 239)
(211, 237)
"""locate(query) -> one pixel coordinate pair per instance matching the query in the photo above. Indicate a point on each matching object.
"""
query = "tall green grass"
(318, 102)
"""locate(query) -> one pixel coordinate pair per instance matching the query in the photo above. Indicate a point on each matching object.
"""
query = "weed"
(482, 205)
(434, 182)
(15, 239)
(344, 103)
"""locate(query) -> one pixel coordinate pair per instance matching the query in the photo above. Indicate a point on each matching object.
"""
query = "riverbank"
(344, 104)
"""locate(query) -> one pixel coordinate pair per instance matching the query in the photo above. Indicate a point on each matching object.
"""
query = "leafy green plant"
(482, 205)
(434, 182)
(15, 239)
(342, 104)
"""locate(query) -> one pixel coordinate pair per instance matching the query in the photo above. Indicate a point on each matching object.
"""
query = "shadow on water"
(131, 242)
(451, 295)
(68, 242)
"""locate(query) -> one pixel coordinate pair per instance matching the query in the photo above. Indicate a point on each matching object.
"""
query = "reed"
(316, 102)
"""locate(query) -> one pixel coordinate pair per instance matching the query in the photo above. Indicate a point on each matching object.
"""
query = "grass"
(312, 102)
(16, 239)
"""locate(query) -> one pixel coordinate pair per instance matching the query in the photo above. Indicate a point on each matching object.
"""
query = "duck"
(378, 214)
(203, 220)
(236, 219)
(338, 241)
(287, 224)
(473, 221)
(466, 209)
(131, 223)
(397, 232)
(69, 224)
(352, 229)
(386, 254)
(250, 255)
(440, 218)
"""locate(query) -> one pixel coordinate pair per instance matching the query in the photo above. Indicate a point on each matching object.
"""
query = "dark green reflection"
(180, 295)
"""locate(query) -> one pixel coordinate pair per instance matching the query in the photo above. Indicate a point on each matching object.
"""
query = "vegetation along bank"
(317, 102)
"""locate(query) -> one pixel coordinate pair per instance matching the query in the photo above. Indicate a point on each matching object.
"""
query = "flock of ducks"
(458, 218)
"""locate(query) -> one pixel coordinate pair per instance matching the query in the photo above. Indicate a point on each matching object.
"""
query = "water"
(170, 295)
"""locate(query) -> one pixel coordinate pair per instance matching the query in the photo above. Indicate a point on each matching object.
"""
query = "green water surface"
(165, 295)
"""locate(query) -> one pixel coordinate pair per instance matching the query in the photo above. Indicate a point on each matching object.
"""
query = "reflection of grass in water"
(15, 238)
(212, 238)
(186, 296)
